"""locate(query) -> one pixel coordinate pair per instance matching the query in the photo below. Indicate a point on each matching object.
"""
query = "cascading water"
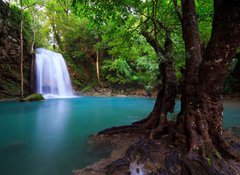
(52, 77)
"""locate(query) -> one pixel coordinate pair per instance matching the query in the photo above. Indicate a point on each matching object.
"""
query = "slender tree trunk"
(57, 38)
(33, 55)
(168, 89)
(33, 74)
(21, 56)
(34, 35)
(165, 101)
(67, 12)
(98, 68)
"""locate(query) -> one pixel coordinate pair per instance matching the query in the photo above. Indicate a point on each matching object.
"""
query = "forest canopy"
(113, 37)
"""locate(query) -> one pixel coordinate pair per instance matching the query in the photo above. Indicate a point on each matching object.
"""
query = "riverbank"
(125, 92)
(9, 99)
(121, 92)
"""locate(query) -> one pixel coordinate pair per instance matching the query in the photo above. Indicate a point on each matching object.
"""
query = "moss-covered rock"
(34, 97)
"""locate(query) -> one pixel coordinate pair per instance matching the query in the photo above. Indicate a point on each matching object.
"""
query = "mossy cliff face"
(10, 55)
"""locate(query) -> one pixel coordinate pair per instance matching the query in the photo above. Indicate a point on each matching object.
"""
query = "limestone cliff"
(10, 55)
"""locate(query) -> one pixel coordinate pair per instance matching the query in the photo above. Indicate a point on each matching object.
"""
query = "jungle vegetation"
(181, 47)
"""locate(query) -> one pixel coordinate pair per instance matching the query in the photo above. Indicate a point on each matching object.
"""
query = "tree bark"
(165, 101)
(218, 55)
(199, 123)
(200, 119)
(32, 53)
(21, 55)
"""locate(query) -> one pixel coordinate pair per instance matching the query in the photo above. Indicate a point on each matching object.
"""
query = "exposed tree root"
(165, 157)
(229, 146)
(122, 129)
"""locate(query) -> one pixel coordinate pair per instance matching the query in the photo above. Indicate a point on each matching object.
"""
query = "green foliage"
(15, 16)
(205, 15)
(79, 29)
(118, 71)
(148, 70)
(15, 22)
(208, 159)
(88, 87)
(218, 154)
(229, 84)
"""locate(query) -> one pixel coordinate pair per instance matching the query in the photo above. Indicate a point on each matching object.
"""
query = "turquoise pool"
(50, 137)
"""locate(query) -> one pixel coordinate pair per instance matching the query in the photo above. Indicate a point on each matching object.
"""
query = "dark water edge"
(8, 99)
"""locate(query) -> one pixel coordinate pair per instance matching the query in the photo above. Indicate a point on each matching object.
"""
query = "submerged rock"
(34, 97)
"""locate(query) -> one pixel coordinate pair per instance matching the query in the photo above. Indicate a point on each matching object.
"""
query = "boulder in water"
(34, 97)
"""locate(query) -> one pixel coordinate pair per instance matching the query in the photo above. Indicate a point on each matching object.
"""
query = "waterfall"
(52, 77)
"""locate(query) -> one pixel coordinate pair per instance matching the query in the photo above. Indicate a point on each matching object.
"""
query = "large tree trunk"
(201, 99)
(193, 60)
(200, 119)
(210, 149)
(222, 47)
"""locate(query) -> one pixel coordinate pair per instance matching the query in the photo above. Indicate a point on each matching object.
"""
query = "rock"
(34, 97)
(9, 55)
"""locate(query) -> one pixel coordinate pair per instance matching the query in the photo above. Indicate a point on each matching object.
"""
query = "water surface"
(50, 137)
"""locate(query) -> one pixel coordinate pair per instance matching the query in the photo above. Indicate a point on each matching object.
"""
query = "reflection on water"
(50, 137)
(55, 121)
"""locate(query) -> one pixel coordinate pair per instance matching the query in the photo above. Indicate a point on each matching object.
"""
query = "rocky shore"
(108, 92)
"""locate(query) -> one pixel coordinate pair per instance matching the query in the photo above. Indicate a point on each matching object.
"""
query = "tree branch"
(177, 10)
(144, 22)
(29, 6)
(152, 41)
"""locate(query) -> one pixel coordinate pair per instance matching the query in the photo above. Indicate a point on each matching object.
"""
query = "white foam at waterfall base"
(52, 77)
